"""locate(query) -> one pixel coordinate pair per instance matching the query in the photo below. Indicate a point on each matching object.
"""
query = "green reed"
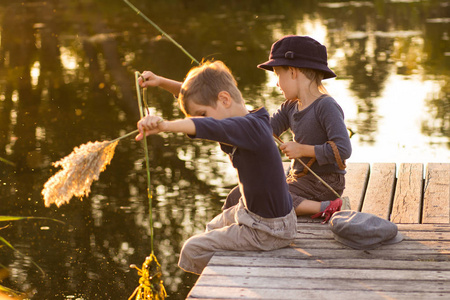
(143, 103)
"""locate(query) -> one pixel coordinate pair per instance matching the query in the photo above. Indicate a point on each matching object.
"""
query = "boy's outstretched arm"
(155, 125)
(151, 79)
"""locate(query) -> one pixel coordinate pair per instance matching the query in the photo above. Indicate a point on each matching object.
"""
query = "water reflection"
(67, 77)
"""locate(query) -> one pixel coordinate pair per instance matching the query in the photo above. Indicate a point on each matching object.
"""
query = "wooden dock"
(315, 266)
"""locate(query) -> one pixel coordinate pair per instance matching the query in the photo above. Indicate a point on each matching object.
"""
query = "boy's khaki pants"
(237, 229)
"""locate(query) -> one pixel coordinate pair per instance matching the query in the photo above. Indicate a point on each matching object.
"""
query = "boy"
(264, 219)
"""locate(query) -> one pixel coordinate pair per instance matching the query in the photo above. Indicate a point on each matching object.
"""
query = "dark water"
(67, 77)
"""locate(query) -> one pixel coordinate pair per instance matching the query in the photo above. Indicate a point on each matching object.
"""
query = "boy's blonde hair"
(204, 83)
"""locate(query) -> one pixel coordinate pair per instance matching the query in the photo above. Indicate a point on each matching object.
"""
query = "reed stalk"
(141, 103)
(125, 135)
(150, 282)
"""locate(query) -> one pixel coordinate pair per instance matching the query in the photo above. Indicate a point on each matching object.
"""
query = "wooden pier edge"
(414, 196)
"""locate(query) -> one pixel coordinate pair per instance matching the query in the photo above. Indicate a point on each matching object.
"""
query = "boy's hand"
(151, 125)
(148, 78)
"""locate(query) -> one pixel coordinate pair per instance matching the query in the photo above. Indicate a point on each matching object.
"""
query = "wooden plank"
(435, 250)
(356, 183)
(380, 190)
(338, 263)
(407, 202)
(309, 237)
(324, 273)
(314, 284)
(404, 245)
(345, 252)
(436, 200)
(314, 227)
(424, 227)
(364, 292)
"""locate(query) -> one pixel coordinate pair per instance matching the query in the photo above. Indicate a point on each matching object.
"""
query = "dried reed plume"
(79, 170)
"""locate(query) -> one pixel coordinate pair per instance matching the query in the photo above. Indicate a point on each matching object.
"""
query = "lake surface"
(67, 78)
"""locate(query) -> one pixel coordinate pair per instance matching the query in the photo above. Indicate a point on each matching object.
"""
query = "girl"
(316, 120)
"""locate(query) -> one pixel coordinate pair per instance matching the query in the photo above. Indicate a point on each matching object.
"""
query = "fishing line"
(161, 31)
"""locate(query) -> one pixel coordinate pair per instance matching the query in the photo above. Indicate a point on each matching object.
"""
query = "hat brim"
(397, 239)
(278, 62)
(354, 245)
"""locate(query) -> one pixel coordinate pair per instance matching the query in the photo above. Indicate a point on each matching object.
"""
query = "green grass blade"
(7, 162)
(16, 218)
(9, 291)
(17, 251)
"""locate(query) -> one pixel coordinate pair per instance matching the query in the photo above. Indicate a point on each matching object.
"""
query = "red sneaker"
(334, 206)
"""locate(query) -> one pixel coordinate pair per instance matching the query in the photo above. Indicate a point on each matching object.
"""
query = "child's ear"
(225, 98)
(293, 72)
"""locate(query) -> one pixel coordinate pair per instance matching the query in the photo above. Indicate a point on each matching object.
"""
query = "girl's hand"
(151, 125)
(148, 78)
(292, 150)
(295, 150)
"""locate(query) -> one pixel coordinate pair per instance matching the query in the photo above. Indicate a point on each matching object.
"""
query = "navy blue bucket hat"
(298, 51)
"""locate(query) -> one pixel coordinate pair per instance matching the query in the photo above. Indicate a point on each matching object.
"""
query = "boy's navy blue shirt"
(249, 142)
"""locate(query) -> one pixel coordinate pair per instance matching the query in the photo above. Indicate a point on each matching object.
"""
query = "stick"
(125, 135)
(160, 30)
(279, 142)
(147, 160)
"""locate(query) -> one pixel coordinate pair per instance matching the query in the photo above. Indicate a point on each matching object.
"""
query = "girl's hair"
(204, 83)
(315, 76)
